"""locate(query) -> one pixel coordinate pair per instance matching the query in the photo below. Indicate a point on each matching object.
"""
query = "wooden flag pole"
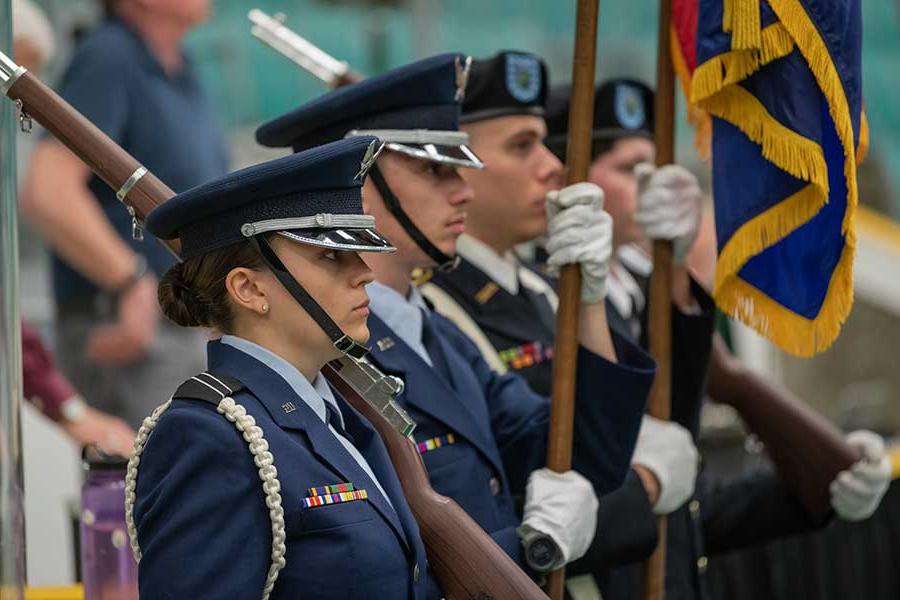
(660, 318)
(578, 159)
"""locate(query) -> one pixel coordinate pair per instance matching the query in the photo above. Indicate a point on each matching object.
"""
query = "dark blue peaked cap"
(313, 197)
(421, 95)
(424, 95)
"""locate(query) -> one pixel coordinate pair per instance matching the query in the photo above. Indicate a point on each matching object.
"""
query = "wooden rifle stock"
(807, 449)
(466, 561)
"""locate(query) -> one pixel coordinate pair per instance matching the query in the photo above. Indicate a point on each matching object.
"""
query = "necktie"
(433, 347)
(541, 305)
(334, 419)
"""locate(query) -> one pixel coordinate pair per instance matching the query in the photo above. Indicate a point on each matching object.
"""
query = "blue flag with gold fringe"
(782, 80)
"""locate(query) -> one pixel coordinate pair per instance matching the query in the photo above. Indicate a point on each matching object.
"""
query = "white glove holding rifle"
(562, 506)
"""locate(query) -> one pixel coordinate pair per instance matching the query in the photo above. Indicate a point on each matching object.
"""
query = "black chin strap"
(342, 341)
(444, 262)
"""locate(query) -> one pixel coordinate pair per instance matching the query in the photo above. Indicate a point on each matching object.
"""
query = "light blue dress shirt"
(403, 315)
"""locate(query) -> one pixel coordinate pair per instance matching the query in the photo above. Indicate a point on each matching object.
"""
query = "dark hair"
(192, 293)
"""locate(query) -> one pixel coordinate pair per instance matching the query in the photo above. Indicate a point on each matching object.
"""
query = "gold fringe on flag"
(714, 89)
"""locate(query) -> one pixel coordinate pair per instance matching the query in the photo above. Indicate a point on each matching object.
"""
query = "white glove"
(668, 451)
(669, 206)
(579, 231)
(857, 492)
(564, 507)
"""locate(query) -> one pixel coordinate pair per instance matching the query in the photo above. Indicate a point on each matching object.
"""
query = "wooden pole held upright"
(660, 318)
(578, 159)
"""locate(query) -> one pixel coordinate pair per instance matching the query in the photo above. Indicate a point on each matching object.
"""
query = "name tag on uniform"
(435, 443)
(333, 494)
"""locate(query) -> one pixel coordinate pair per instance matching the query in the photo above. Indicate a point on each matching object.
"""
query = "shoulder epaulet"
(209, 386)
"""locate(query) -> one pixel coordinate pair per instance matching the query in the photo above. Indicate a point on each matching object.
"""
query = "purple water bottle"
(108, 568)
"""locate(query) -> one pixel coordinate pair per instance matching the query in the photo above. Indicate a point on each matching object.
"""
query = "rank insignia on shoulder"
(385, 343)
(487, 292)
(435, 443)
(526, 355)
(333, 494)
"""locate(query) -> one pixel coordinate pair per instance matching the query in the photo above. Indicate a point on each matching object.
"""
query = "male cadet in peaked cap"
(508, 306)
(482, 435)
(664, 203)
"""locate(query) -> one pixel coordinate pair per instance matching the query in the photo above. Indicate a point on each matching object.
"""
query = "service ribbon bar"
(435, 443)
(334, 498)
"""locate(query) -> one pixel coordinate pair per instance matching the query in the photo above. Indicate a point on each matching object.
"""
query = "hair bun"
(178, 301)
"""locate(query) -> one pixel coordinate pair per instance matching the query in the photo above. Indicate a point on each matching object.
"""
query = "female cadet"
(256, 479)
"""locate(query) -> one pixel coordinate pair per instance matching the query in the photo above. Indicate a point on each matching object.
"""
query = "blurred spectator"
(133, 80)
(51, 392)
(44, 386)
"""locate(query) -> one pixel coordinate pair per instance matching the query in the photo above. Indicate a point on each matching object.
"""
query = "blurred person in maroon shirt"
(48, 389)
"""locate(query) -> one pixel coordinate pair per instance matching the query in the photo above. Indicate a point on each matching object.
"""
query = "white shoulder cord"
(259, 448)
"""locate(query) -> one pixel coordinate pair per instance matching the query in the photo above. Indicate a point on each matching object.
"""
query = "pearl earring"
(265, 308)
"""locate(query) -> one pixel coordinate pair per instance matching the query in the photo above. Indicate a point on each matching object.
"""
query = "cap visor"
(354, 240)
(457, 155)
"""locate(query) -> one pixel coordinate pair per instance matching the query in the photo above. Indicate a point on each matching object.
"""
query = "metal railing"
(12, 513)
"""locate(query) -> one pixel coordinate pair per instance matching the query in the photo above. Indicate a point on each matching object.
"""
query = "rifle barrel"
(296, 48)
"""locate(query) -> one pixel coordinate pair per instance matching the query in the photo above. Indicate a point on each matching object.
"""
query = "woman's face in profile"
(335, 279)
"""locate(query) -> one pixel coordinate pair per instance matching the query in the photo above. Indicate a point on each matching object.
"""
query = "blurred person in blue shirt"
(132, 78)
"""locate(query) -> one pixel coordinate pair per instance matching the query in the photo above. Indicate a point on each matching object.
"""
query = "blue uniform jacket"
(499, 426)
(202, 521)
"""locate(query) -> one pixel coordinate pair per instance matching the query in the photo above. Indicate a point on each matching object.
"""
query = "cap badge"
(629, 107)
(369, 159)
(462, 77)
(523, 77)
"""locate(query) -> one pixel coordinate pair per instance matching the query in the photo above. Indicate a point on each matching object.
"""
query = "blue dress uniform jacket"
(201, 516)
(499, 426)
(521, 327)
(626, 525)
